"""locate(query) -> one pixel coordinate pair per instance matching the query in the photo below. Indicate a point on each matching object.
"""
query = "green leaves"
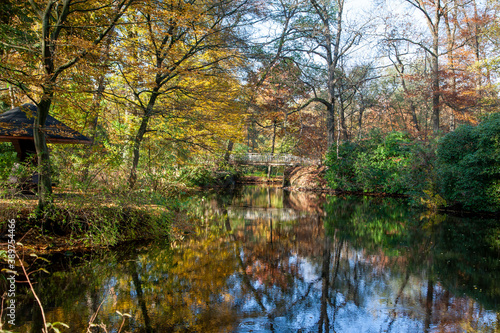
(52, 326)
(469, 166)
(373, 165)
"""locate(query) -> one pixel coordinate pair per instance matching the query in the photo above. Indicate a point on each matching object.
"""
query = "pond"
(266, 260)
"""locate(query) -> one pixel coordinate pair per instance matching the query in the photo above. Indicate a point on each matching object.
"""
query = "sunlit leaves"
(175, 71)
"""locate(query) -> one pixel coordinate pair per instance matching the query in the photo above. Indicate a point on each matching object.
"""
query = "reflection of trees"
(325, 287)
(424, 255)
(256, 196)
(305, 202)
(366, 261)
(194, 294)
(140, 295)
(468, 263)
(73, 296)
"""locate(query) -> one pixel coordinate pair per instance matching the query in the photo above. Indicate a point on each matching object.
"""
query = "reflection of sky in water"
(304, 310)
(307, 270)
(386, 302)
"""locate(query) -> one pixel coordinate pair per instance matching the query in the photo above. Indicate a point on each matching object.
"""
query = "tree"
(321, 45)
(403, 75)
(331, 34)
(452, 42)
(278, 95)
(468, 165)
(178, 60)
(14, 30)
(433, 12)
(60, 34)
(466, 89)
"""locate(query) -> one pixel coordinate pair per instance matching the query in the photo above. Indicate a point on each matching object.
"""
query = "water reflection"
(272, 261)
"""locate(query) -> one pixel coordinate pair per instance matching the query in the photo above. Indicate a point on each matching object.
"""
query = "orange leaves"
(459, 89)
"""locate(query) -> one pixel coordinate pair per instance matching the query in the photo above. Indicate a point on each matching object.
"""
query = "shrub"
(14, 176)
(420, 176)
(341, 173)
(469, 166)
(384, 168)
(196, 175)
(377, 164)
(7, 159)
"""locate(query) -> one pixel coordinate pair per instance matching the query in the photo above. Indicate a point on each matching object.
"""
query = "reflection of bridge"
(271, 159)
(276, 214)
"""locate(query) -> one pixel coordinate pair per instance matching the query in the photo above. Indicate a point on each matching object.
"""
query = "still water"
(264, 260)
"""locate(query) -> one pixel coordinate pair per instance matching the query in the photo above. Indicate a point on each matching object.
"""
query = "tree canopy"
(190, 78)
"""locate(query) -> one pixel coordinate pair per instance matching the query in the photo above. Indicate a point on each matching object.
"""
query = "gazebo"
(16, 126)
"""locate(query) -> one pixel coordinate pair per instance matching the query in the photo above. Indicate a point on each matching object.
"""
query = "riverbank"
(314, 179)
(85, 221)
(82, 222)
(308, 179)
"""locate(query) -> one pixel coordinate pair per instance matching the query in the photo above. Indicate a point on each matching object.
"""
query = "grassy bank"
(90, 220)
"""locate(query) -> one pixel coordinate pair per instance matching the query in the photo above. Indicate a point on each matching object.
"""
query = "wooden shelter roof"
(17, 124)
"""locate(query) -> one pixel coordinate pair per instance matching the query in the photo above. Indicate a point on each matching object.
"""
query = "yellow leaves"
(433, 200)
(171, 48)
(206, 114)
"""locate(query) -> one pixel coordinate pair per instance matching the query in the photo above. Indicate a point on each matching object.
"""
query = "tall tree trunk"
(360, 121)
(42, 151)
(101, 86)
(253, 134)
(332, 49)
(434, 28)
(435, 89)
(473, 26)
(229, 149)
(343, 125)
(330, 125)
(433, 25)
(414, 117)
(53, 19)
(140, 136)
(400, 69)
(96, 102)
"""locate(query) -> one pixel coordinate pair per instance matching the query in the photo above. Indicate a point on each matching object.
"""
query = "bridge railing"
(276, 214)
(271, 159)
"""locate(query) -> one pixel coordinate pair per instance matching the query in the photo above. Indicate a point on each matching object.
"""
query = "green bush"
(420, 175)
(341, 172)
(7, 159)
(469, 166)
(384, 168)
(377, 164)
(196, 175)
